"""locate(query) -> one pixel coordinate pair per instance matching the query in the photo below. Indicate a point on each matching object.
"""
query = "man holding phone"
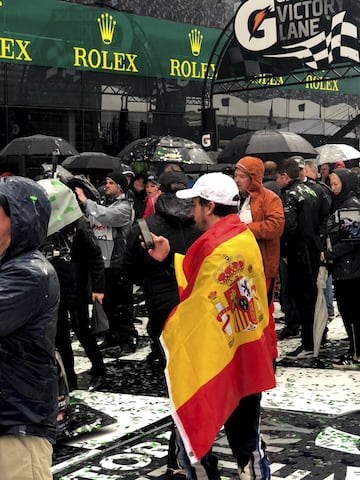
(218, 360)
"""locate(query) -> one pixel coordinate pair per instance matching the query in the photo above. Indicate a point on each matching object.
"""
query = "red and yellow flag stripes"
(216, 349)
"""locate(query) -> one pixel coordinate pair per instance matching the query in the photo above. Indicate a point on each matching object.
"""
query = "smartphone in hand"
(145, 233)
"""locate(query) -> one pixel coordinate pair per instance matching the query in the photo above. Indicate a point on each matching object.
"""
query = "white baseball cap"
(215, 187)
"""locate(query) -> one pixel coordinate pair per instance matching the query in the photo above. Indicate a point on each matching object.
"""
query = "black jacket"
(343, 257)
(271, 184)
(300, 242)
(29, 295)
(80, 266)
(324, 195)
(86, 259)
(139, 202)
(172, 219)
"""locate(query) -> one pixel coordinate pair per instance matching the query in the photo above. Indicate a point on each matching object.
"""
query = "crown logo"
(196, 38)
(107, 27)
(230, 271)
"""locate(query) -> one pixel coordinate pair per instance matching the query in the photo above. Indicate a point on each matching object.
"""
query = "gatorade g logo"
(206, 140)
(255, 25)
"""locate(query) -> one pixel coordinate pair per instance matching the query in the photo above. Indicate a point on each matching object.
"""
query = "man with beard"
(217, 356)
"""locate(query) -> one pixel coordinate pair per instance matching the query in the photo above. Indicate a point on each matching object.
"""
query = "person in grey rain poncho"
(29, 296)
(111, 224)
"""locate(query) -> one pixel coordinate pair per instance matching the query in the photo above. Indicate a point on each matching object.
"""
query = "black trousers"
(302, 280)
(287, 301)
(118, 304)
(77, 318)
(154, 329)
(243, 433)
(80, 323)
(346, 292)
(63, 342)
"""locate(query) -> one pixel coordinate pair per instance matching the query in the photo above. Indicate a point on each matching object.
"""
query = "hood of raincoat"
(29, 212)
(254, 167)
(175, 210)
(348, 186)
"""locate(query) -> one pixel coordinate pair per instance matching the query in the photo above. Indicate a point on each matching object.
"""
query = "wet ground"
(310, 421)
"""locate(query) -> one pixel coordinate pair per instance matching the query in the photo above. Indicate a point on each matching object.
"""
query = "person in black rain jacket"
(300, 249)
(29, 296)
(343, 261)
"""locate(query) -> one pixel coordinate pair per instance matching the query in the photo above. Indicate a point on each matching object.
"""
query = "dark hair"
(289, 166)
(140, 175)
(220, 210)
(269, 168)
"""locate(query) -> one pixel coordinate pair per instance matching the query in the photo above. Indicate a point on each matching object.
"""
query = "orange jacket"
(267, 214)
(267, 226)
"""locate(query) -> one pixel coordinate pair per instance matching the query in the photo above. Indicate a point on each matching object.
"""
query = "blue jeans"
(329, 295)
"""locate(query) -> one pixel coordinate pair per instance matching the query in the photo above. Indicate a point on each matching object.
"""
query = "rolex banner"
(216, 340)
(60, 34)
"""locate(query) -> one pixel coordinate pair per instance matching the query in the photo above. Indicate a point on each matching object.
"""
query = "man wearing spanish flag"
(217, 358)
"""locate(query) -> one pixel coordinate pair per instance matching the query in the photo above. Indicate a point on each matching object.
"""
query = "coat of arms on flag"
(242, 310)
(241, 303)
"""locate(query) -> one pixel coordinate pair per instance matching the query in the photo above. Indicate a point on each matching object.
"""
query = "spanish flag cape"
(214, 340)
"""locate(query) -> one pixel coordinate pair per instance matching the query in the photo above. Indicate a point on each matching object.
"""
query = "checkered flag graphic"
(322, 50)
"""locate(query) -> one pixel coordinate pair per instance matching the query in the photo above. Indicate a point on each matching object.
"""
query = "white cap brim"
(187, 193)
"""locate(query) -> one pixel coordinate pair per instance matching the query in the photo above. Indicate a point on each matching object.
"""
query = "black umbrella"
(268, 145)
(93, 161)
(24, 155)
(39, 145)
(165, 149)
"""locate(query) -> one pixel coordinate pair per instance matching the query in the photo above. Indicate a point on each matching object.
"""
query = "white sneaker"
(299, 353)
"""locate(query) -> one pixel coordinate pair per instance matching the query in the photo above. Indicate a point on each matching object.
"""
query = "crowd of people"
(222, 248)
